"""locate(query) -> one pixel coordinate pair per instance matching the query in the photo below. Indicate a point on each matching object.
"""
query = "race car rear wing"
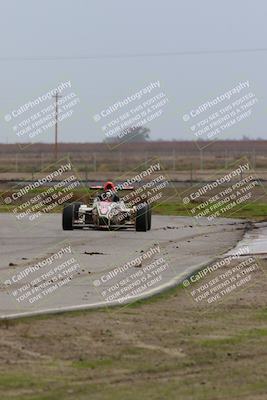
(119, 187)
(96, 187)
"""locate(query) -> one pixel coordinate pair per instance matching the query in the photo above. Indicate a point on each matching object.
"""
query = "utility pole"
(56, 124)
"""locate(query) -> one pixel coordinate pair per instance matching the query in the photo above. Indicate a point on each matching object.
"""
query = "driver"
(109, 193)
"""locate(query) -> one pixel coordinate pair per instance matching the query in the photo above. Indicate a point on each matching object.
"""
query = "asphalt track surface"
(101, 268)
(254, 240)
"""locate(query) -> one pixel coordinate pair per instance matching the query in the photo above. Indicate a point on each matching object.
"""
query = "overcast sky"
(91, 43)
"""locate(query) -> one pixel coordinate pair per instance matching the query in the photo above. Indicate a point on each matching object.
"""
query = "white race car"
(106, 214)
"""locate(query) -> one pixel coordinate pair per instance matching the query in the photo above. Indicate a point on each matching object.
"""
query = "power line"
(133, 55)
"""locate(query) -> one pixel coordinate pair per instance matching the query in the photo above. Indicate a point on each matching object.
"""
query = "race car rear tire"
(67, 217)
(142, 217)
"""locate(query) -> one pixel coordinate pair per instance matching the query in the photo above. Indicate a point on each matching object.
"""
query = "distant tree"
(244, 137)
(133, 134)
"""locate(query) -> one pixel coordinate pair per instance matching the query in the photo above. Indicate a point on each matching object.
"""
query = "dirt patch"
(164, 348)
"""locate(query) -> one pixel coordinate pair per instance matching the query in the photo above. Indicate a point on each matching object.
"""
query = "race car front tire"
(149, 217)
(142, 217)
(67, 217)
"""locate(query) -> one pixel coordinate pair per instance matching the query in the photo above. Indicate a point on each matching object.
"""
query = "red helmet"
(109, 186)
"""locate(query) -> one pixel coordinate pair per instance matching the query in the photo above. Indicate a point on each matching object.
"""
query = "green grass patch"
(169, 205)
(252, 210)
(19, 381)
(234, 340)
(93, 364)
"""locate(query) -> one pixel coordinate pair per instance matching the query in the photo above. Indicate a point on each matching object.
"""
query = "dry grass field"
(98, 157)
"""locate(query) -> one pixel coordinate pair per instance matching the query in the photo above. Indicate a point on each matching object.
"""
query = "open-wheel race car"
(107, 211)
